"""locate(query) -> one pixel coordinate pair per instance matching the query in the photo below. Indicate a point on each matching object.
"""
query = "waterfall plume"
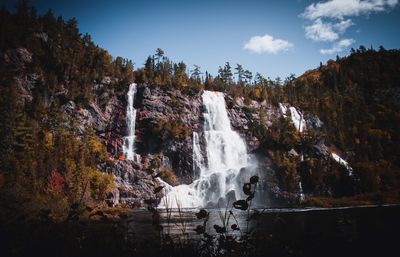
(225, 154)
(129, 141)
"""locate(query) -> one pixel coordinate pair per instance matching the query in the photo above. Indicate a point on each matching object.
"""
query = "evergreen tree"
(240, 73)
(248, 76)
(195, 74)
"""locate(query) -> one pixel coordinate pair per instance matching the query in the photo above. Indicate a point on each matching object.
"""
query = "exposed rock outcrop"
(173, 116)
(246, 118)
(134, 184)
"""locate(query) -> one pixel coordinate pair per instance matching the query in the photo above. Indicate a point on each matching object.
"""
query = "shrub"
(172, 128)
(55, 183)
(100, 184)
(169, 176)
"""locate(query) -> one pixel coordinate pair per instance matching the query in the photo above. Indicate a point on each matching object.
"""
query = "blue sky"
(275, 38)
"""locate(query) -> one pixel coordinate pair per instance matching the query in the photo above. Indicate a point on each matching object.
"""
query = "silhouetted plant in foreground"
(232, 236)
(227, 241)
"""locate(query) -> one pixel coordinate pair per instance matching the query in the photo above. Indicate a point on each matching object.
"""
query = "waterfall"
(296, 116)
(224, 147)
(226, 154)
(198, 161)
(341, 161)
(129, 141)
(302, 197)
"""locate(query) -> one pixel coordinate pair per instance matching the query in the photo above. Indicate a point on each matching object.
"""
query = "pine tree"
(240, 73)
(195, 74)
(248, 76)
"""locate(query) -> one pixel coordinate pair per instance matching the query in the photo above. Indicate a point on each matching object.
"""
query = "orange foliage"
(312, 76)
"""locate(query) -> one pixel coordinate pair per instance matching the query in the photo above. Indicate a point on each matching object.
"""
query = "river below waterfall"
(354, 231)
(357, 231)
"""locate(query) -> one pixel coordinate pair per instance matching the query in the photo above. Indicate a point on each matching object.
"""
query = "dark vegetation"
(43, 166)
(358, 99)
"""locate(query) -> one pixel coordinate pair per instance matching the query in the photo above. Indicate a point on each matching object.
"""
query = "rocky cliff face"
(160, 114)
(246, 117)
(166, 120)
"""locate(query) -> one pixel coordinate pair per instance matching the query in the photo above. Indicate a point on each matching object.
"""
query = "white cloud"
(338, 9)
(338, 46)
(326, 31)
(267, 44)
(320, 31)
(330, 19)
(392, 3)
(342, 26)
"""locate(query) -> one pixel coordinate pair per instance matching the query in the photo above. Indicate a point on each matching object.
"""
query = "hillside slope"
(63, 102)
(358, 98)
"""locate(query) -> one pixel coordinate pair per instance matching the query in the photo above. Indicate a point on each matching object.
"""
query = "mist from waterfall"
(129, 141)
(226, 154)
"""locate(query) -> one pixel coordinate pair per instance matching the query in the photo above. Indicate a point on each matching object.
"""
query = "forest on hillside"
(45, 165)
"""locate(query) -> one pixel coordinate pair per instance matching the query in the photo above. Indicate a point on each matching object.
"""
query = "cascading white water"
(295, 115)
(300, 124)
(224, 147)
(341, 161)
(129, 141)
(302, 197)
(226, 155)
(198, 161)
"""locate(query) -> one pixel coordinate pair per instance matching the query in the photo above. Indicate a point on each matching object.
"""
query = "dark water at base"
(356, 231)
(349, 231)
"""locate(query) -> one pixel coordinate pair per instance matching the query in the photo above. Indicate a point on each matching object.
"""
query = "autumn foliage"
(55, 183)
